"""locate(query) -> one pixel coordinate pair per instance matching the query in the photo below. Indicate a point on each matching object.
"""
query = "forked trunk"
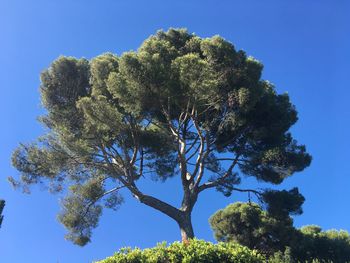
(181, 216)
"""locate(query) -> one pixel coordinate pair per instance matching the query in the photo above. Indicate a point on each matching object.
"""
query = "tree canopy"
(195, 108)
(330, 245)
(249, 225)
(272, 234)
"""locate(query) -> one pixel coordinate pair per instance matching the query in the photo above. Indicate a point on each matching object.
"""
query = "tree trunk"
(185, 224)
(182, 216)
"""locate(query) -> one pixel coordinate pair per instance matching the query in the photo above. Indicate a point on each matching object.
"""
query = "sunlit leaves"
(193, 251)
(101, 67)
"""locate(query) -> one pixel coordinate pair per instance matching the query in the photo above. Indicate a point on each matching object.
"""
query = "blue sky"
(304, 46)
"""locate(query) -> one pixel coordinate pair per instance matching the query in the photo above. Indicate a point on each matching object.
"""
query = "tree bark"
(181, 216)
(186, 229)
(159, 205)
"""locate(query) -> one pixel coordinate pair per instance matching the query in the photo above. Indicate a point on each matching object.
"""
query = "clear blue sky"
(304, 46)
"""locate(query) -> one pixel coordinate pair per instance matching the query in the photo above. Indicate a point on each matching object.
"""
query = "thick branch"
(157, 204)
(146, 199)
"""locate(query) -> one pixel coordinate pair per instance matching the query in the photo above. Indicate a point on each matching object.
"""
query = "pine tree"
(180, 106)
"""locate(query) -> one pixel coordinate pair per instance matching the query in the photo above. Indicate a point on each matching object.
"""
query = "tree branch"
(99, 197)
(201, 147)
(201, 166)
(192, 144)
(193, 154)
(257, 193)
(220, 179)
(146, 199)
(181, 149)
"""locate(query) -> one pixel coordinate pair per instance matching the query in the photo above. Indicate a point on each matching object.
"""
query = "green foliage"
(330, 245)
(114, 119)
(285, 257)
(249, 225)
(193, 252)
(281, 204)
(275, 236)
(80, 212)
(2, 205)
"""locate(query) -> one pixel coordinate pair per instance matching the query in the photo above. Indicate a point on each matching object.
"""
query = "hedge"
(196, 251)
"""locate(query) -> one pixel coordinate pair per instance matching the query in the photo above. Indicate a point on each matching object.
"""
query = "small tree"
(179, 105)
(251, 226)
(273, 234)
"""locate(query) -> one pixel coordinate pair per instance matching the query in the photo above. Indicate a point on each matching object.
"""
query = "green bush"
(193, 252)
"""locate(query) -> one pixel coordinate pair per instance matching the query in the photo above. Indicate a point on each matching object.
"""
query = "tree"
(275, 236)
(2, 205)
(330, 245)
(178, 106)
(251, 226)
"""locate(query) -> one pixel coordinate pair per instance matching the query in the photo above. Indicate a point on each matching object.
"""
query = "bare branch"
(194, 153)
(117, 172)
(220, 179)
(192, 144)
(99, 197)
(141, 164)
(181, 148)
(201, 148)
(134, 155)
(201, 166)
(225, 159)
(256, 192)
(118, 154)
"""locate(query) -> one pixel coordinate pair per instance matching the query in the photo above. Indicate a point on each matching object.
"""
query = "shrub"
(193, 252)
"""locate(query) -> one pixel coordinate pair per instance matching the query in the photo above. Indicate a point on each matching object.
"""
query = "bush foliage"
(198, 251)
(194, 251)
